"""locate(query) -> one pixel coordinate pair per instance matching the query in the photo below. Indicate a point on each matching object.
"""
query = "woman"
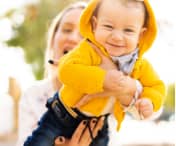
(62, 37)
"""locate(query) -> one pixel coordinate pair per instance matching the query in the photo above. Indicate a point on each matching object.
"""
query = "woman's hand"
(81, 136)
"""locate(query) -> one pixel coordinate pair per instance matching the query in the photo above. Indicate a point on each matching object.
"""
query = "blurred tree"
(170, 98)
(31, 34)
(169, 104)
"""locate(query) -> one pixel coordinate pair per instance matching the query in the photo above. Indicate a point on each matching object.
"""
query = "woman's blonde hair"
(54, 27)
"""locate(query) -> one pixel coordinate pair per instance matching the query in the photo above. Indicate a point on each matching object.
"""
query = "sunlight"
(9, 4)
(5, 24)
(162, 56)
(12, 64)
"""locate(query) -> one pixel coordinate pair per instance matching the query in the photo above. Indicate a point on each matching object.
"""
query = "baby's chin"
(115, 54)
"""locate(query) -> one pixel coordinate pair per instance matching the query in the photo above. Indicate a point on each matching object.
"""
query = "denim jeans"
(57, 121)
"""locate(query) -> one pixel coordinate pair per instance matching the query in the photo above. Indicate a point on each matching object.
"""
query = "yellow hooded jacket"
(80, 74)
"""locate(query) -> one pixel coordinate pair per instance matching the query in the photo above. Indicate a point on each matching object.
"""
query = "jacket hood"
(146, 40)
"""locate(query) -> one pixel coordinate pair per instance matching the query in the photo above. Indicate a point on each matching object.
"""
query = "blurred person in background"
(63, 36)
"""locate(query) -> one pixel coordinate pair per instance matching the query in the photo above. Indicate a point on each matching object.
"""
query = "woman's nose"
(75, 37)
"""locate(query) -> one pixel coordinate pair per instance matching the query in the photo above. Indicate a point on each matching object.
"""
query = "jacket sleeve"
(78, 70)
(153, 86)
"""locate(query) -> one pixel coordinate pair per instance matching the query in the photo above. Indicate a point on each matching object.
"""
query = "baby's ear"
(143, 30)
(142, 33)
(94, 23)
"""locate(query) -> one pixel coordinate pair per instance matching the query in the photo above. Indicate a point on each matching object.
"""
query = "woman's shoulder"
(40, 85)
(39, 90)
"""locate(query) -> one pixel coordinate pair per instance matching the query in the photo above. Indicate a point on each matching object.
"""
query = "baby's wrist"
(135, 96)
(139, 89)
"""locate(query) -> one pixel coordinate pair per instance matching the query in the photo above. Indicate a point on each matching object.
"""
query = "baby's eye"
(108, 26)
(129, 30)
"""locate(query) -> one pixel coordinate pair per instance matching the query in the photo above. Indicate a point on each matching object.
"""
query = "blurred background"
(23, 29)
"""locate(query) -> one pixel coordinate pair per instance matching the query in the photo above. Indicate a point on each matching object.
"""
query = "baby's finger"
(137, 104)
(147, 113)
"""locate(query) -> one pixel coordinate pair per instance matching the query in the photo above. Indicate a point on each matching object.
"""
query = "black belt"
(67, 115)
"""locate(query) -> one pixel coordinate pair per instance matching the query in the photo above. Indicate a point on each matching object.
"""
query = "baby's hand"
(145, 107)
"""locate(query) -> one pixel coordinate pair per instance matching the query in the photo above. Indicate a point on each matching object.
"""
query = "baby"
(116, 35)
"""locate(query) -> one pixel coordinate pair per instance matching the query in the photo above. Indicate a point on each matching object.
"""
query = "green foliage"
(170, 98)
(169, 104)
(31, 34)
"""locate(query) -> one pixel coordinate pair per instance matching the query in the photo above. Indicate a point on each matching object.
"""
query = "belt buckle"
(54, 104)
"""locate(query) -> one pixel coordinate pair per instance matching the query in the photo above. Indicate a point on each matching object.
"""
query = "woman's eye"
(67, 30)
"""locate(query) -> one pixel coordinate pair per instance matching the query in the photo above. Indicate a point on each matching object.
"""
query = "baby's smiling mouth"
(115, 45)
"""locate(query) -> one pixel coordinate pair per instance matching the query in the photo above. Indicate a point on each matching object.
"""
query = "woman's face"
(67, 36)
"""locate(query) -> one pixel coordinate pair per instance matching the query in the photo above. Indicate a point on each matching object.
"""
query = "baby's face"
(118, 26)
